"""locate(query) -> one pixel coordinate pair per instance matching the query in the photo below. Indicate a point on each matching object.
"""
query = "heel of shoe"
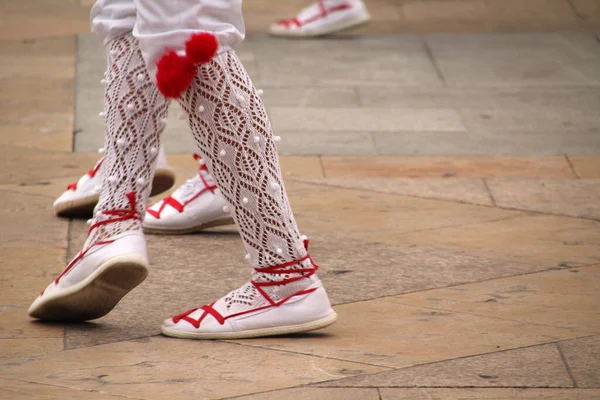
(97, 295)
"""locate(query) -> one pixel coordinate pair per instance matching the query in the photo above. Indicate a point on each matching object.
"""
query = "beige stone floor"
(454, 277)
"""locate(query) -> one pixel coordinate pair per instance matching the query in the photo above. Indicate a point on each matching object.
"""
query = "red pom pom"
(175, 74)
(201, 47)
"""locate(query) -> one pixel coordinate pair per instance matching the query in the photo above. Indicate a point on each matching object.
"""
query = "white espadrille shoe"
(197, 205)
(304, 311)
(295, 302)
(323, 18)
(97, 278)
(81, 197)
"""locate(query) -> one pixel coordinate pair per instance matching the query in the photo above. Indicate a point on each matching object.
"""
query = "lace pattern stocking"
(234, 135)
(135, 115)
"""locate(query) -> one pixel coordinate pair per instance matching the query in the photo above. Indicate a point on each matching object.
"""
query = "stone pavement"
(449, 183)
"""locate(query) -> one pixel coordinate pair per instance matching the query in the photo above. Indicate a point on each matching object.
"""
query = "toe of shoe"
(66, 196)
(279, 30)
(168, 323)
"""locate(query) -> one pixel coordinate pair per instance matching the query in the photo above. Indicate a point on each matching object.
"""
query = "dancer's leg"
(113, 260)
(111, 19)
(135, 115)
(233, 132)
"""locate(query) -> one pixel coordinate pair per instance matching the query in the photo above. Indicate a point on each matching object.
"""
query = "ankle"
(110, 222)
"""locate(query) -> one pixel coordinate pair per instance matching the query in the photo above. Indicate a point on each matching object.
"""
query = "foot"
(323, 18)
(280, 299)
(81, 197)
(94, 281)
(197, 205)
(113, 261)
(231, 317)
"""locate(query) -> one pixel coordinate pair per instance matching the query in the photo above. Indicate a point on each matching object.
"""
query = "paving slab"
(461, 190)
(29, 347)
(382, 217)
(41, 167)
(572, 197)
(586, 166)
(587, 45)
(313, 393)
(35, 136)
(553, 241)
(89, 94)
(29, 269)
(446, 167)
(536, 366)
(509, 60)
(39, 19)
(488, 394)
(16, 325)
(286, 119)
(554, 298)
(587, 9)
(400, 60)
(537, 98)
(29, 221)
(408, 335)
(491, 15)
(327, 143)
(313, 96)
(23, 390)
(583, 358)
(301, 167)
(41, 58)
(479, 142)
(36, 93)
(156, 368)
(526, 119)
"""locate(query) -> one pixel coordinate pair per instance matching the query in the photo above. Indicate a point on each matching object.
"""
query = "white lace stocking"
(135, 115)
(232, 130)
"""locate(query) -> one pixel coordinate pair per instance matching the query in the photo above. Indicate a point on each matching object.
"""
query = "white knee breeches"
(167, 24)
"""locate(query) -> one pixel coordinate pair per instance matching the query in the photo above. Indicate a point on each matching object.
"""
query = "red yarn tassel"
(176, 73)
(201, 47)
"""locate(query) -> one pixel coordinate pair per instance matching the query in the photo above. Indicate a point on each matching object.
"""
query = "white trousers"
(167, 24)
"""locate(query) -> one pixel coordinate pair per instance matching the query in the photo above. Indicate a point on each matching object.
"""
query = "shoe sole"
(274, 331)
(164, 179)
(345, 26)
(197, 228)
(97, 295)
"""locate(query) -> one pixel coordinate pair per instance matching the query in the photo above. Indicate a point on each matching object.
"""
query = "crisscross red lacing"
(171, 201)
(120, 215)
(275, 269)
(91, 173)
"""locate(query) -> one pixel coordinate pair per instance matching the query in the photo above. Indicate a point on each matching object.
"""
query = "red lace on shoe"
(324, 12)
(91, 173)
(169, 200)
(275, 269)
(120, 215)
